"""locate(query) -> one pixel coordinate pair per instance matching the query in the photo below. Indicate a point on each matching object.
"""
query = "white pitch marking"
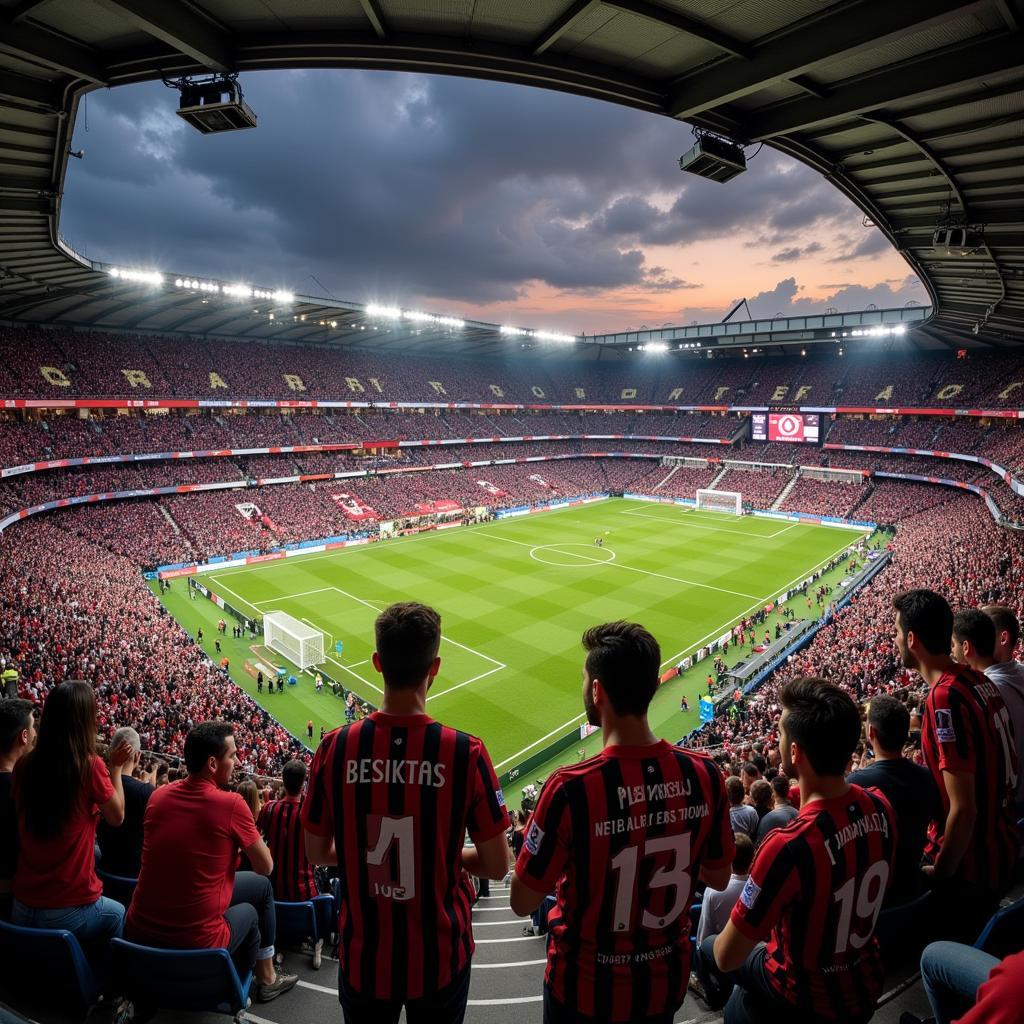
(224, 586)
(633, 568)
(756, 604)
(345, 668)
(292, 597)
(554, 732)
(458, 686)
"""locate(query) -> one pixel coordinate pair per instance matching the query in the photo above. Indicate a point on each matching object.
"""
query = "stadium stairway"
(508, 971)
(784, 493)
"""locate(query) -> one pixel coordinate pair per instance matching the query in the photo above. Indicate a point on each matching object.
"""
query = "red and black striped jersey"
(967, 728)
(292, 878)
(398, 795)
(814, 893)
(622, 836)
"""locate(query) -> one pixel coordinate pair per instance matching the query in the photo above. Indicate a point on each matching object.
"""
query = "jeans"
(952, 975)
(558, 1013)
(252, 920)
(446, 1006)
(94, 924)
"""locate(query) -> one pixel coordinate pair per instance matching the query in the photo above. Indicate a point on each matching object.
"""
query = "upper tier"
(60, 364)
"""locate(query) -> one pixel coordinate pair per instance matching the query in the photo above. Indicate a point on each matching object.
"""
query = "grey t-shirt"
(776, 819)
(744, 819)
(1009, 680)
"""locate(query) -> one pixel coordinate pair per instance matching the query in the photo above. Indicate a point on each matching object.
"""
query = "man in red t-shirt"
(968, 745)
(800, 944)
(188, 895)
(390, 800)
(622, 839)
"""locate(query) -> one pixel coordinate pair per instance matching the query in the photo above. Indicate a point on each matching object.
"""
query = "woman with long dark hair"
(60, 789)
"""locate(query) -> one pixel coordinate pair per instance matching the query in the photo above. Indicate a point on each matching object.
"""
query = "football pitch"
(515, 596)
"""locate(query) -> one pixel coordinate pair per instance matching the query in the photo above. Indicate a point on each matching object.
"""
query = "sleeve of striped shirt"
(547, 843)
(952, 731)
(488, 816)
(317, 808)
(768, 889)
(721, 847)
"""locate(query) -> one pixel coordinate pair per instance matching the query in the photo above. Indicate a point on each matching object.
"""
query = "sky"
(488, 201)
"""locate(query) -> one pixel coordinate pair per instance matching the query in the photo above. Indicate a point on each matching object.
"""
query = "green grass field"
(515, 597)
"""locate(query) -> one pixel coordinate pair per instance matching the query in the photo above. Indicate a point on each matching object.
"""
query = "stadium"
(214, 489)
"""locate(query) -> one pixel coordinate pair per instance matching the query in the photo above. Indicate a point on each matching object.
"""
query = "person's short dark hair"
(734, 789)
(744, 855)
(1004, 620)
(293, 775)
(928, 616)
(759, 763)
(749, 768)
(975, 626)
(15, 717)
(206, 740)
(408, 636)
(780, 786)
(627, 660)
(761, 793)
(823, 720)
(891, 721)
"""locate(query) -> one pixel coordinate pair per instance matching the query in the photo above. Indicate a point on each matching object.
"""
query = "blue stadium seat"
(310, 919)
(1004, 932)
(177, 979)
(117, 887)
(47, 966)
(901, 930)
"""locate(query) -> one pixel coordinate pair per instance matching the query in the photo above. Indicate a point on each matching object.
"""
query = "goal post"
(720, 501)
(300, 643)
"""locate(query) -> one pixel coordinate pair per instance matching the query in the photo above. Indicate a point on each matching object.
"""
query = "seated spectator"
(761, 799)
(957, 978)
(743, 817)
(58, 788)
(718, 904)
(189, 896)
(785, 949)
(1008, 675)
(17, 736)
(782, 812)
(908, 787)
(292, 877)
(121, 847)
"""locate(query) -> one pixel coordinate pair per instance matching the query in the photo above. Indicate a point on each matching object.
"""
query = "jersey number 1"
(390, 831)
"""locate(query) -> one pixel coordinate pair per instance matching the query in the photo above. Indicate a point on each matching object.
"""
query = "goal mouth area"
(710, 500)
(294, 639)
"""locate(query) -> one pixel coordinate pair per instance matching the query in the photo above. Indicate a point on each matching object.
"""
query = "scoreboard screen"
(796, 427)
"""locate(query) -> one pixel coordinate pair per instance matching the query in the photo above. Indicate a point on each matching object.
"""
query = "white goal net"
(720, 501)
(301, 644)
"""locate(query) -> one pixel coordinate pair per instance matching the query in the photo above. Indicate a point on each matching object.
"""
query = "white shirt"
(717, 906)
(1009, 680)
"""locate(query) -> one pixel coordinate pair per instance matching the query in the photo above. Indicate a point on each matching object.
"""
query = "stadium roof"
(914, 109)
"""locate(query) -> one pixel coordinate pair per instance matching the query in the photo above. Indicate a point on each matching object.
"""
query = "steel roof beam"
(684, 24)
(373, 14)
(561, 25)
(982, 56)
(816, 41)
(181, 28)
(39, 47)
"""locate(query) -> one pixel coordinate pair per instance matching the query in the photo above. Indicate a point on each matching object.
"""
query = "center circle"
(573, 561)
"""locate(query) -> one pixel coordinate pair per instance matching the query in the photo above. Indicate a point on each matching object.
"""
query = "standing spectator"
(1008, 675)
(818, 964)
(17, 736)
(390, 799)
(122, 846)
(908, 787)
(750, 773)
(189, 896)
(625, 835)
(743, 817)
(782, 812)
(965, 739)
(58, 788)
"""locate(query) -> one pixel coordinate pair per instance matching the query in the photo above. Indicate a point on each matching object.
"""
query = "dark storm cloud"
(396, 186)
